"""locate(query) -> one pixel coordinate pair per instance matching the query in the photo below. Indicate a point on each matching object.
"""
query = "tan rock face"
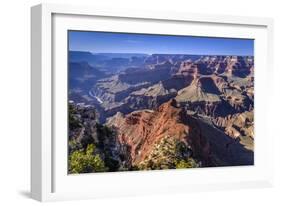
(188, 68)
(238, 126)
(143, 129)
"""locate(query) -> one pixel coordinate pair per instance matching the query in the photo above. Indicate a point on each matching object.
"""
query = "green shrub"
(188, 163)
(169, 153)
(85, 161)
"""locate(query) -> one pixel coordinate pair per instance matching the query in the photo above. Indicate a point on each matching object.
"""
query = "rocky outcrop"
(214, 95)
(157, 94)
(84, 130)
(238, 66)
(113, 89)
(142, 130)
(202, 96)
(151, 134)
(237, 125)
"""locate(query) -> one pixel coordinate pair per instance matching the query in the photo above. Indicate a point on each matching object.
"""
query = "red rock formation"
(141, 130)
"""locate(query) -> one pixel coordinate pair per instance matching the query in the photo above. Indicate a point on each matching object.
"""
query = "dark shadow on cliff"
(225, 151)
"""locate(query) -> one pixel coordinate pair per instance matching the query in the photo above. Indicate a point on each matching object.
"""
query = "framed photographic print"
(135, 102)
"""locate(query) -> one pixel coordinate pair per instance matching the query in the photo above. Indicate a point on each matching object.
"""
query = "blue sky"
(108, 42)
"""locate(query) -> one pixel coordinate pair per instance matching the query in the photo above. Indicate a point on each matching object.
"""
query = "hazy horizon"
(157, 53)
(111, 42)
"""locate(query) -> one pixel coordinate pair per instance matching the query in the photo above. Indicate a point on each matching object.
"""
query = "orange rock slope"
(141, 130)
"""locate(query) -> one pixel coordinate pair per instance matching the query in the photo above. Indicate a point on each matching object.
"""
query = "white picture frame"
(49, 180)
